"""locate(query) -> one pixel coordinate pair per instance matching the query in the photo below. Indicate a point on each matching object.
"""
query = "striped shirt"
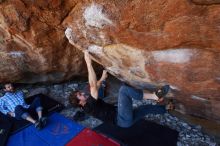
(10, 100)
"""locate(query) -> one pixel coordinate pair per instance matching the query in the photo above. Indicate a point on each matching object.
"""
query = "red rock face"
(139, 41)
(157, 42)
(33, 47)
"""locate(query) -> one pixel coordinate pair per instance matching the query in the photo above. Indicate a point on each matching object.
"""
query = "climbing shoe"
(162, 92)
(43, 121)
(38, 125)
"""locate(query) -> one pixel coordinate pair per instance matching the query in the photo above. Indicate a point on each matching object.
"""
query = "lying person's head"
(78, 98)
(8, 87)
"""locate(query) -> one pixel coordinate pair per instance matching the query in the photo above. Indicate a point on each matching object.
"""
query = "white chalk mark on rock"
(174, 87)
(16, 54)
(69, 34)
(198, 98)
(173, 56)
(94, 16)
(95, 49)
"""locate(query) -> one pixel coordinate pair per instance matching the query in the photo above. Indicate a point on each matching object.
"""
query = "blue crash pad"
(58, 132)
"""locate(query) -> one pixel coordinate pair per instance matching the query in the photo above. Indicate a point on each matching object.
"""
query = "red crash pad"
(88, 137)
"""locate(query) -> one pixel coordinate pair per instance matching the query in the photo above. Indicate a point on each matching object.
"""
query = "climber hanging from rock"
(123, 115)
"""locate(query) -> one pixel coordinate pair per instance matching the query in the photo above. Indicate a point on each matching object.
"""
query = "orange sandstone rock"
(33, 46)
(138, 41)
(156, 42)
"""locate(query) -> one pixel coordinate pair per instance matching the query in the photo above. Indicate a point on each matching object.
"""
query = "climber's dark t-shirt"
(100, 109)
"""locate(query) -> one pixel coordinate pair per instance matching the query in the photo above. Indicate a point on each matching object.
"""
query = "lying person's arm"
(91, 76)
(5, 110)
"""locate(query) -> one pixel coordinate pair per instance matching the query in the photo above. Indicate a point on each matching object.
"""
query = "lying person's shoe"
(162, 92)
(43, 121)
(79, 116)
(37, 125)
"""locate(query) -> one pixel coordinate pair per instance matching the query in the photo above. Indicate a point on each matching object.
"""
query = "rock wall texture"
(139, 41)
(33, 46)
(156, 42)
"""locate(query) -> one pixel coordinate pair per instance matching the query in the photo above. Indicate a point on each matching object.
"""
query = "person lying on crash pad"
(123, 115)
(14, 105)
